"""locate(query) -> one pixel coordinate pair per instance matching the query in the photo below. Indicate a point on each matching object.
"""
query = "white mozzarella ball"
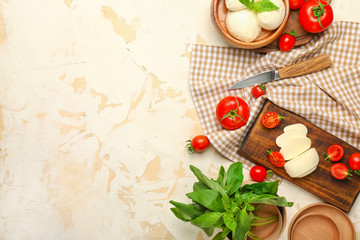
(243, 25)
(271, 20)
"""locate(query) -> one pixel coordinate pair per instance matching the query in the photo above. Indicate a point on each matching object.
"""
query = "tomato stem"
(233, 113)
(269, 151)
(319, 11)
(269, 174)
(326, 157)
(190, 147)
(262, 87)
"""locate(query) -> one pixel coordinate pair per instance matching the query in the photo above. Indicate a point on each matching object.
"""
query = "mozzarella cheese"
(295, 146)
(271, 20)
(243, 25)
(234, 5)
(303, 164)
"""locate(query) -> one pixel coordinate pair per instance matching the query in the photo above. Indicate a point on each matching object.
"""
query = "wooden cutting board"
(340, 193)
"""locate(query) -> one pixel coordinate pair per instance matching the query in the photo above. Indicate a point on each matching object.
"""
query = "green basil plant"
(224, 203)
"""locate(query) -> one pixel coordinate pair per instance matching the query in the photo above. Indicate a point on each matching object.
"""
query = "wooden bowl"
(218, 15)
(315, 226)
(309, 213)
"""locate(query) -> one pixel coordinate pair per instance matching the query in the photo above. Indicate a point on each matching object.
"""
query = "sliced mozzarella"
(296, 128)
(308, 172)
(302, 165)
(295, 147)
(286, 137)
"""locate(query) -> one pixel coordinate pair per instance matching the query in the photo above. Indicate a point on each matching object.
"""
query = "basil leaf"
(208, 230)
(234, 177)
(209, 198)
(207, 219)
(221, 176)
(238, 198)
(261, 188)
(186, 211)
(222, 235)
(264, 6)
(247, 3)
(271, 199)
(243, 225)
(199, 186)
(229, 221)
(178, 214)
(206, 181)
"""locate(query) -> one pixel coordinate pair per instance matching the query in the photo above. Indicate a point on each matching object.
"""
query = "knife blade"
(302, 68)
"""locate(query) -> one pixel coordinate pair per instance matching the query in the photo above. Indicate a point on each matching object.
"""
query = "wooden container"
(218, 15)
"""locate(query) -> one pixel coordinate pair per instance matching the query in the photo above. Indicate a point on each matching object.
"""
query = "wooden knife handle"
(309, 66)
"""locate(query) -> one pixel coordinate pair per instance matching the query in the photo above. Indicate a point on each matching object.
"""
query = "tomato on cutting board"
(232, 112)
(340, 171)
(276, 158)
(271, 119)
(315, 15)
(198, 144)
(354, 162)
(334, 153)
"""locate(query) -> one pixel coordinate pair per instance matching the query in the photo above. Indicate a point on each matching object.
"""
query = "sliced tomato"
(276, 158)
(334, 153)
(340, 171)
(271, 119)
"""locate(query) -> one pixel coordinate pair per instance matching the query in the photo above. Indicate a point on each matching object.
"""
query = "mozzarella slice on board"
(296, 128)
(303, 164)
(286, 137)
(295, 146)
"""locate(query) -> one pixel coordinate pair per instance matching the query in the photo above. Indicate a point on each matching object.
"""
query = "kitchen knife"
(302, 68)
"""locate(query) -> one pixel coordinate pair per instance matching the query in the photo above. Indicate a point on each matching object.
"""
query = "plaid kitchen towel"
(329, 99)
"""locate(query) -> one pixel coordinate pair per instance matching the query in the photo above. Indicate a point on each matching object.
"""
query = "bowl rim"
(247, 45)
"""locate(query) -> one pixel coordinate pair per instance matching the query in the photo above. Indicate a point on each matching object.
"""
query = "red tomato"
(287, 41)
(296, 4)
(315, 16)
(334, 153)
(259, 173)
(340, 171)
(276, 158)
(271, 119)
(354, 162)
(198, 144)
(232, 112)
(258, 90)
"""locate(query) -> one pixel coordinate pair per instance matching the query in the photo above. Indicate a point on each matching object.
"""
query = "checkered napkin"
(329, 98)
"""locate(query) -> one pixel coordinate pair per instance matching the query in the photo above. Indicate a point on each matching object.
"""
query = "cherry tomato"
(258, 90)
(259, 173)
(354, 162)
(232, 112)
(296, 4)
(315, 15)
(334, 153)
(271, 119)
(287, 41)
(340, 171)
(198, 144)
(276, 158)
